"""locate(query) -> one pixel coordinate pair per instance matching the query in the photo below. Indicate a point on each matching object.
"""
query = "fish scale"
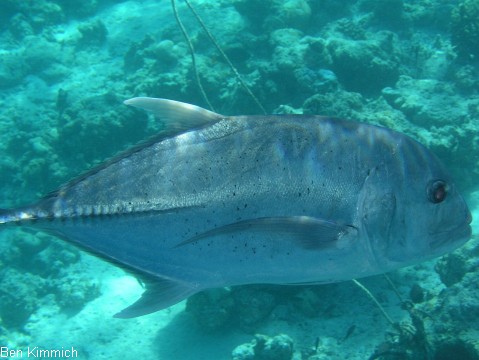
(220, 201)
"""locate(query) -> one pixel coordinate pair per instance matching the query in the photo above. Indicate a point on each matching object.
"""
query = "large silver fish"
(280, 199)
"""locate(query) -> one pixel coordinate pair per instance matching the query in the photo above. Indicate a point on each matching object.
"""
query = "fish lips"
(448, 240)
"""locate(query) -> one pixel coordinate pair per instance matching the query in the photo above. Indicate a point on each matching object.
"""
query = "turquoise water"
(66, 67)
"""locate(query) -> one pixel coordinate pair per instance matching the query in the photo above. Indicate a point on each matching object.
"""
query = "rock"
(363, 66)
(19, 296)
(285, 56)
(244, 352)
(13, 70)
(20, 27)
(448, 349)
(465, 29)
(74, 291)
(213, 308)
(451, 268)
(93, 33)
(294, 14)
(386, 12)
(79, 9)
(87, 124)
(252, 305)
(466, 78)
(339, 104)
(316, 81)
(279, 347)
(416, 293)
(426, 102)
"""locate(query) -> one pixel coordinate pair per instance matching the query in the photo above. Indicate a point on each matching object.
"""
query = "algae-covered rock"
(364, 66)
(389, 12)
(79, 9)
(93, 33)
(316, 81)
(90, 124)
(244, 352)
(451, 268)
(252, 306)
(340, 104)
(307, 302)
(416, 293)
(275, 14)
(263, 347)
(465, 29)
(293, 14)
(73, 291)
(213, 308)
(19, 296)
(279, 347)
(41, 53)
(288, 50)
(20, 26)
(37, 271)
(466, 78)
(447, 349)
(13, 70)
(426, 102)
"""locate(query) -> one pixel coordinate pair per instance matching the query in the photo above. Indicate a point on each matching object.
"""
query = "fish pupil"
(437, 191)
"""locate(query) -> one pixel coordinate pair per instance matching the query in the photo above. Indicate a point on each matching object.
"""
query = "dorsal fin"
(176, 116)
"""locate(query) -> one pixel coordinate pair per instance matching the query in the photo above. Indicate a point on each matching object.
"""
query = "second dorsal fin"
(177, 116)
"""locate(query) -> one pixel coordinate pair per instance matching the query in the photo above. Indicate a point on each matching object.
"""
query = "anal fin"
(159, 294)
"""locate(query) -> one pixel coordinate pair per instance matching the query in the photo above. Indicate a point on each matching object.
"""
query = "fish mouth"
(453, 238)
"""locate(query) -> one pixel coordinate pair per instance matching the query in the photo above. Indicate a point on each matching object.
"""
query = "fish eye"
(436, 191)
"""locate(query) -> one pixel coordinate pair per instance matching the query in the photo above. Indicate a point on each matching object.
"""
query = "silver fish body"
(257, 199)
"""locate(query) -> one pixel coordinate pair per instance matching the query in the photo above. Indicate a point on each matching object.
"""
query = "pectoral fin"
(160, 293)
(308, 232)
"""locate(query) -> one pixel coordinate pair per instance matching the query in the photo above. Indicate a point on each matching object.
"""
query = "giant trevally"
(280, 199)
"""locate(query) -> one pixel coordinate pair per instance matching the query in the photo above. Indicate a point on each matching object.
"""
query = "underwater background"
(65, 68)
